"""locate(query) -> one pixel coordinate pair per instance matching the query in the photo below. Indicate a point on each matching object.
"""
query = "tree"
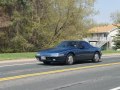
(117, 39)
(37, 24)
(116, 20)
(115, 17)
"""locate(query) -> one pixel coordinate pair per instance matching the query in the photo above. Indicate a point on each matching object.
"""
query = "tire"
(96, 57)
(46, 63)
(70, 59)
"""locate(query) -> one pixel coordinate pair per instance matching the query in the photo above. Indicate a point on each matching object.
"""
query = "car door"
(80, 52)
(84, 51)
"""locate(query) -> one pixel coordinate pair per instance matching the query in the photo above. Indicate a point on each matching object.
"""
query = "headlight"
(38, 54)
(56, 54)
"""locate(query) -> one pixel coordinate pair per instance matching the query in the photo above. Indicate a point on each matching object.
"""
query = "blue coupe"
(69, 52)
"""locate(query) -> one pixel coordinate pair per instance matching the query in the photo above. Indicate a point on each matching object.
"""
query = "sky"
(105, 8)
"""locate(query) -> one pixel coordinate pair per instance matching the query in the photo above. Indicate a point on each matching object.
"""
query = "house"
(103, 36)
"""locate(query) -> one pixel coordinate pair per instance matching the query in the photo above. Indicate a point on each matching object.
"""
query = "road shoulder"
(34, 59)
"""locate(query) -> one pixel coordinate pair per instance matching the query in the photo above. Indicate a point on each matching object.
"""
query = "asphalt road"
(32, 75)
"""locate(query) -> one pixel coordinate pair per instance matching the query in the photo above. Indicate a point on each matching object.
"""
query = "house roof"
(103, 29)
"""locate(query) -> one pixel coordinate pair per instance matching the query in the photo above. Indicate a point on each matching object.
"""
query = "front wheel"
(96, 57)
(70, 59)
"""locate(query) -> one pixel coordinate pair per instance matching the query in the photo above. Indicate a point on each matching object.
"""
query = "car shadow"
(62, 64)
(86, 62)
(52, 64)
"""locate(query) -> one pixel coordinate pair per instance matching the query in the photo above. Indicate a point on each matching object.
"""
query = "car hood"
(55, 50)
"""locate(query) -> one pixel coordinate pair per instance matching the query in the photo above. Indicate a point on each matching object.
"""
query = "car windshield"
(67, 44)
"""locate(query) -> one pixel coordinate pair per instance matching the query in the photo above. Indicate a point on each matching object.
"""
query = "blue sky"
(105, 8)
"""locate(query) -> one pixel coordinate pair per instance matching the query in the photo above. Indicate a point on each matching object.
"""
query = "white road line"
(18, 64)
(117, 88)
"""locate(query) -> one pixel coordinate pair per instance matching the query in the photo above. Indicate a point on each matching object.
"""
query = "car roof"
(74, 41)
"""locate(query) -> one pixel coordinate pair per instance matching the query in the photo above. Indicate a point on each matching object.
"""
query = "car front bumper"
(52, 59)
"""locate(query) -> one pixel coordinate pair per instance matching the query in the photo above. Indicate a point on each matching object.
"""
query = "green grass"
(110, 52)
(13, 56)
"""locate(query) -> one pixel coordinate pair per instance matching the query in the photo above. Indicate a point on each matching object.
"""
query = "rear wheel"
(96, 57)
(70, 59)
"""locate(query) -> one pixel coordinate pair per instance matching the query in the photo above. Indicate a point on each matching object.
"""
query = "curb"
(17, 60)
(115, 54)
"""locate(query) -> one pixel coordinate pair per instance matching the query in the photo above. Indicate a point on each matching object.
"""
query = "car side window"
(85, 45)
(72, 44)
(79, 45)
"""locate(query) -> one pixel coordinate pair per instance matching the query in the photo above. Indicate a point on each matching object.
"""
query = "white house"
(103, 36)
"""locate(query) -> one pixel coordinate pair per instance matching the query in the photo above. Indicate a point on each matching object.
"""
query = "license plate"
(43, 57)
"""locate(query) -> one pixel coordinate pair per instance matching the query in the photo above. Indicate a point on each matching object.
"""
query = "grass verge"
(111, 52)
(13, 56)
